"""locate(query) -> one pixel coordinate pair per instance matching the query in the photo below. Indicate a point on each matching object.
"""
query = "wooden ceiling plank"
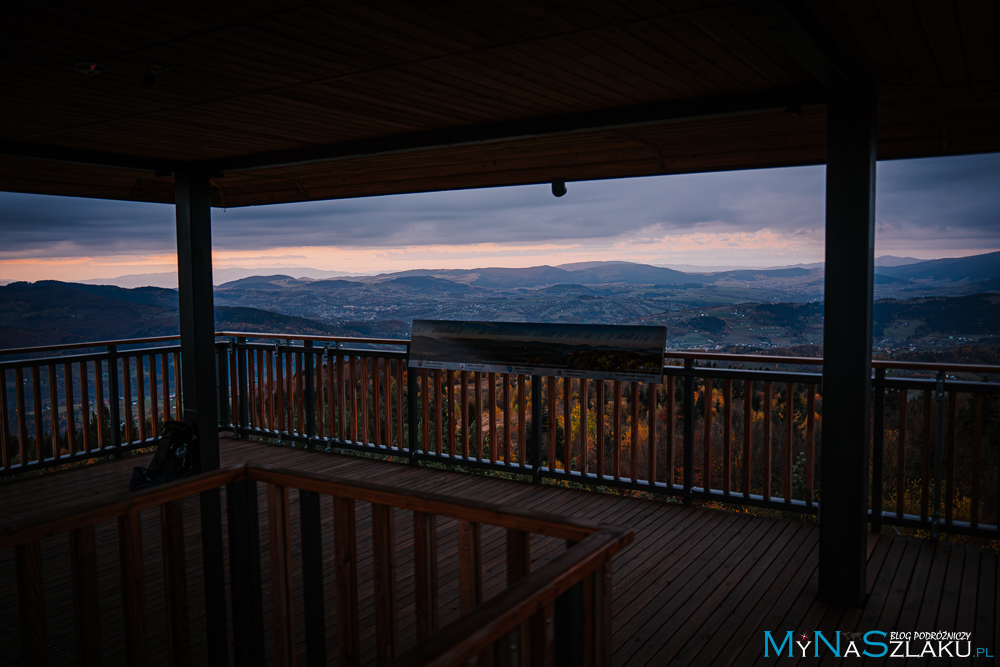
(940, 23)
(675, 59)
(908, 36)
(648, 80)
(741, 44)
(979, 24)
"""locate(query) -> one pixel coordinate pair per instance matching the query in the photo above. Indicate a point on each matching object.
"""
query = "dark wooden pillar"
(847, 344)
(197, 313)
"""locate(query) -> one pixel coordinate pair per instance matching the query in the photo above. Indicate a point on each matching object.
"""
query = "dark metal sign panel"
(597, 351)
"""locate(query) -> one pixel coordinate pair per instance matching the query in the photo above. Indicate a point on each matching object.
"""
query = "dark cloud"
(947, 200)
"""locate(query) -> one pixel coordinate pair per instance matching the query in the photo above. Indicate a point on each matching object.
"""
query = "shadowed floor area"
(698, 585)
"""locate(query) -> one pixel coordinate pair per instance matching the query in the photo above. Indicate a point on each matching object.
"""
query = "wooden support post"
(197, 312)
(847, 336)
(244, 573)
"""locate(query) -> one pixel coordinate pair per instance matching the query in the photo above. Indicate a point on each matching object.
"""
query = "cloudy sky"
(944, 207)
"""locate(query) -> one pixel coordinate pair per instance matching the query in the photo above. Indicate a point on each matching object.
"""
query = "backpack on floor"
(173, 458)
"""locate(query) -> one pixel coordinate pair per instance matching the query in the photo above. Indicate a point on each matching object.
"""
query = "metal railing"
(741, 429)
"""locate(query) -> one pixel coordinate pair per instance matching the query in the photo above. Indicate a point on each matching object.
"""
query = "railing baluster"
(949, 501)
(127, 393)
(668, 426)
(449, 396)
(584, 425)
(479, 415)
(425, 410)
(99, 401)
(376, 377)
(344, 540)
(280, 548)
(425, 573)
(616, 426)
(270, 398)
(688, 409)
(140, 394)
(506, 418)
(977, 438)
(789, 435)
(165, 379)
(470, 566)
(384, 566)
(85, 405)
(901, 456)
(86, 607)
(706, 439)
(178, 394)
(521, 425)
(300, 397)
(747, 435)
(810, 444)
(36, 404)
(492, 377)
(175, 582)
(634, 426)
(401, 373)
(651, 395)
(352, 364)
(365, 396)
(567, 424)
(439, 401)
(313, 604)
(279, 388)
(599, 435)
(253, 387)
(133, 588)
(341, 398)
(465, 414)
(31, 603)
(518, 566)
(553, 421)
(925, 494)
(309, 389)
(54, 409)
(727, 435)
(767, 440)
(154, 399)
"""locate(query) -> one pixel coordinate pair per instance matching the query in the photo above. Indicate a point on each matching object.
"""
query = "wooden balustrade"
(526, 608)
(708, 434)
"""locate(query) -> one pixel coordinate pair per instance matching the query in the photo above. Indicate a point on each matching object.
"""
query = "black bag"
(172, 460)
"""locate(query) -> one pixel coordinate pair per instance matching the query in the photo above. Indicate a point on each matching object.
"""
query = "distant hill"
(49, 312)
(264, 282)
(975, 268)
(429, 283)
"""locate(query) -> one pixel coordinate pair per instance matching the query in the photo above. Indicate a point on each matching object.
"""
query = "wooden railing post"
(310, 527)
(244, 573)
(939, 394)
(310, 388)
(31, 603)
(221, 383)
(536, 427)
(243, 382)
(878, 451)
(570, 634)
(688, 431)
(86, 610)
(214, 578)
(115, 403)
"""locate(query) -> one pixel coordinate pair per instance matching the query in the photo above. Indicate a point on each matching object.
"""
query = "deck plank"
(698, 586)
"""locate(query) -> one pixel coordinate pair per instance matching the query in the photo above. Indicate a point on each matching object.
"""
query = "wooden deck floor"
(698, 586)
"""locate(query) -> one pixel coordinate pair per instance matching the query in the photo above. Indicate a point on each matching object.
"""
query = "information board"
(596, 351)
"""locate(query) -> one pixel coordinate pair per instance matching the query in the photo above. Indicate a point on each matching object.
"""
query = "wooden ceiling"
(301, 101)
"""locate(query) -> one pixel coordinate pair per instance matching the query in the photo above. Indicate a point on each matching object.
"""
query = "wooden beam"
(847, 336)
(197, 312)
(584, 121)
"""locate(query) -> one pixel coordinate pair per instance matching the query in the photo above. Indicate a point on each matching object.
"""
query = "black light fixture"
(89, 68)
(558, 188)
